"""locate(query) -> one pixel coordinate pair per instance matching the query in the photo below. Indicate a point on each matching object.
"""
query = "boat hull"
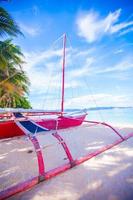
(10, 128)
(63, 122)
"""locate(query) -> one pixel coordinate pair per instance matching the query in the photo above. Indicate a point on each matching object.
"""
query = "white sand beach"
(106, 176)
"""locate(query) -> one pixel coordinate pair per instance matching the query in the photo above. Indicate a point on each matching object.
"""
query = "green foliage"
(14, 82)
(16, 102)
(23, 101)
(7, 25)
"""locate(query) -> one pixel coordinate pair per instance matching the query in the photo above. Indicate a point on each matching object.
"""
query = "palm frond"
(7, 25)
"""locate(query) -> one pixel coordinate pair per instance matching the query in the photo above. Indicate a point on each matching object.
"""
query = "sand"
(107, 176)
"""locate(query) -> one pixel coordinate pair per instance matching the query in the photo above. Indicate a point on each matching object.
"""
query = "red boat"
(63, 122)
(11, 127)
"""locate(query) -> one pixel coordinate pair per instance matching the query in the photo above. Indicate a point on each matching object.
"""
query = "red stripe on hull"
(10, 129)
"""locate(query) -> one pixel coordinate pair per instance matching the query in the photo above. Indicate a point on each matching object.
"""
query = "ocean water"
(115, 116)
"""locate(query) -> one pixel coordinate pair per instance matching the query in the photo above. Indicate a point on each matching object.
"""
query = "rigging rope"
(91, 93)
(94, 100)
(46, 98)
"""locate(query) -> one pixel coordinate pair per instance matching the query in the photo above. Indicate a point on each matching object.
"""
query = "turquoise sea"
(116, 116)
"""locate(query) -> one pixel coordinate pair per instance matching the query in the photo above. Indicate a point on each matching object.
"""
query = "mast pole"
(63, 73)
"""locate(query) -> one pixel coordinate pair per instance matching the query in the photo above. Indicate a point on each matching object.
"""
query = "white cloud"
(92, 27)
(30, 30)
(44, 71)
(121, 26)
(118, 51)
(34, 58)
(85, 101)
(84, 68)
(121, 66)
(126, 31)
(102, 99)
(40, 69)
(41, 66)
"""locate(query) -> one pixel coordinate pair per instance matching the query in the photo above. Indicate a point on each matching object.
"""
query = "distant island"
(100, 108)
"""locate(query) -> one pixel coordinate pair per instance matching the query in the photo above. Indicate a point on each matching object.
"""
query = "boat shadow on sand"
(19, 162)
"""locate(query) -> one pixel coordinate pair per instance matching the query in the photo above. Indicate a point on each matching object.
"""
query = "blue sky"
(99, 66)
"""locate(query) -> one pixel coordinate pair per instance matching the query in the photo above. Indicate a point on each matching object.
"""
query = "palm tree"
(13, 80)
(10, 53)
(7, 25)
